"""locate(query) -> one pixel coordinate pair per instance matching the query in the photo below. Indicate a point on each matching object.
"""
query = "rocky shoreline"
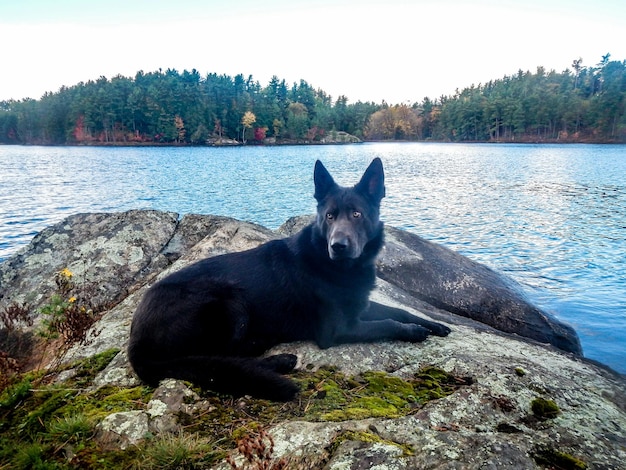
(508, 388)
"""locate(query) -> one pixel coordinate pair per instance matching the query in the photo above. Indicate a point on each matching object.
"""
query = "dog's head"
(348, 218)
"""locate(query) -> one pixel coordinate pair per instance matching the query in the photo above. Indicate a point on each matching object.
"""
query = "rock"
(123, 429)
(339, 137)
(169, 401)
(114, 252)
(456, 284)
(222, 141)
(487, 423)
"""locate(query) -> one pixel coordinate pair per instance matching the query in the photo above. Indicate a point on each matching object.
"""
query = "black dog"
(208, 321)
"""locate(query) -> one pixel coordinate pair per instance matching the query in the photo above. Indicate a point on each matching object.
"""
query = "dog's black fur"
(208, 321)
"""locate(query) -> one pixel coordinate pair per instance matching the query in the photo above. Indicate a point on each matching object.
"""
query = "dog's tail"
(237, 376)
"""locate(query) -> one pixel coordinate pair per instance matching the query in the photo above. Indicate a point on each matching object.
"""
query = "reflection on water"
(551, 217)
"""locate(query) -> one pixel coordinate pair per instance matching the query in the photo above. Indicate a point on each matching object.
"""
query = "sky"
(397, 51)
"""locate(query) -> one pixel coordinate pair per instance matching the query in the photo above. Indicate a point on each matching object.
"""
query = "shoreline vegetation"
(584, 104)
(296, 143)
(307, 143)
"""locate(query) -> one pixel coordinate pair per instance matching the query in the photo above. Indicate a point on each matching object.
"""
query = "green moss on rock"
(87, 369)
(41, 421)
(15, 393)
(41, 424)
(370, 438)
(544, 409)
(331, 396)
(553, 458)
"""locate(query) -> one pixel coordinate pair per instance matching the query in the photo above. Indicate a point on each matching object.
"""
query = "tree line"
(579, 104)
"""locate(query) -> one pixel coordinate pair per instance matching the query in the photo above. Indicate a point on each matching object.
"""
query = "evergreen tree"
(584, 103)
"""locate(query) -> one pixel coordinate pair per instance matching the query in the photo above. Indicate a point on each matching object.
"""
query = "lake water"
(552, 217)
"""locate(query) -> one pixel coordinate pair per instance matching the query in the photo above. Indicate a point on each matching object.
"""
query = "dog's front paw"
(415, 333)
(288, 391)
(438, 329)
(281, 363)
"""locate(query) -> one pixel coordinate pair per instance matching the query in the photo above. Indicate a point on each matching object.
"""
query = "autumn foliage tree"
(79, 130)
(394, 123)
(260, 133)
(180, 129)
(247, 121)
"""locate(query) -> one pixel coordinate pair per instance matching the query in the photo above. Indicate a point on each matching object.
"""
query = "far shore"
(303, 143)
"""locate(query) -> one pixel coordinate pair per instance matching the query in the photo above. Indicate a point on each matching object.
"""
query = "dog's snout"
(341, 245)
(343, 240)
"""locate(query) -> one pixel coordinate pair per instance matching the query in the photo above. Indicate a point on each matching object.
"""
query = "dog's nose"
(340, 246)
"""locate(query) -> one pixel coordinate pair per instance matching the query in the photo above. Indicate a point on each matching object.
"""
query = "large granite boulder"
(118, 252)
(509, 360)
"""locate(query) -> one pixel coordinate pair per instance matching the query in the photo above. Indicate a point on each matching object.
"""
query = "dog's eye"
(356, 214)
(329, 216)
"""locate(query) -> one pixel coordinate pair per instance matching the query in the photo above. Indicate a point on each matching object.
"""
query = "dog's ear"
(323, 181)
(372, 183)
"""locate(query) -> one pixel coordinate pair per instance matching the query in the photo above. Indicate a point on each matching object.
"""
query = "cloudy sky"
(392, 50)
